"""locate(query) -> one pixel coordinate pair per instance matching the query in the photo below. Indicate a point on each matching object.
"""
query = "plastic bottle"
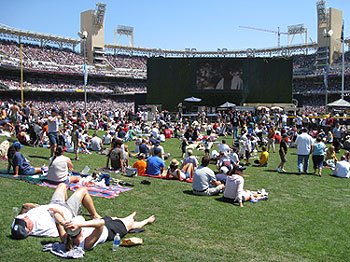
(116, 242)
(85, 170)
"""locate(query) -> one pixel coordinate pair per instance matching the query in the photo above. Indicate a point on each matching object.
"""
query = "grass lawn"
(305, 218)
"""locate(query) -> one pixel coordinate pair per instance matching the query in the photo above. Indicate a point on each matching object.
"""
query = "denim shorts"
(28, 171)
(53, 137)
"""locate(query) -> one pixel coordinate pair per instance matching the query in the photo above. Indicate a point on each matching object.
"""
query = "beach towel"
(109, 192)
(189, 180)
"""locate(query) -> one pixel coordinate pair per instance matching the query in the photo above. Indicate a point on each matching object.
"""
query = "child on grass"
(183, 146)
(140, 164)
(264, 157)
(283, 152)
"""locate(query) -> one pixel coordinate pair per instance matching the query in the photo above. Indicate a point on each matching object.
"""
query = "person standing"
(318, 155)
(53, 128)
(283, 152)
(304, 146)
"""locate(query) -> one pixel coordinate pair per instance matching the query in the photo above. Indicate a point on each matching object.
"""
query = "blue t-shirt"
(144, 149)
(19, 160)
(154, 164)
(319, 149)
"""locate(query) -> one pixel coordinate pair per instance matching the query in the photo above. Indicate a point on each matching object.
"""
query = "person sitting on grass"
(224, 160)
(204, 180)
(36, 220)
(234, 190)
(140, 164)
(180, 174)
(264, 157)
(331, 157)
(342, 168)
(19, 163)
(116, 155)
(88, 234)
(59, 167)
(190, 159)
(222, 176)
(155, 163)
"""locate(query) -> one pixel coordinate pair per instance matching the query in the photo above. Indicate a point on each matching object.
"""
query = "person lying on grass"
(234, 191)
(180, 174)
(19, 163)
(36, 220)
(88, 234)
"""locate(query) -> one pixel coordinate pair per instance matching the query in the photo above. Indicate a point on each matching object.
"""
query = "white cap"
(224, 169)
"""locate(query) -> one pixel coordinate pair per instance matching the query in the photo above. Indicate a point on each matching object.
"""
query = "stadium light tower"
(83, 36)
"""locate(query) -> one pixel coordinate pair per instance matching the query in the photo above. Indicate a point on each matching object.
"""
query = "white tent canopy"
(339, 103)
(228, 104)
(192, 99)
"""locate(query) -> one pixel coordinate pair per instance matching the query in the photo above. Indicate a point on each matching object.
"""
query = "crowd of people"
(64, 126)
(53, 59)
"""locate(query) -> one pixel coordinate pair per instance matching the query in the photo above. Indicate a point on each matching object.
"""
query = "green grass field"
(305, 218)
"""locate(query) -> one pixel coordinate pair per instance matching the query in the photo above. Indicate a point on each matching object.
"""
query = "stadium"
(243, 114)
(51, 64)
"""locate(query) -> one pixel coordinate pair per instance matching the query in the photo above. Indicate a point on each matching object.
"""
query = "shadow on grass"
(227, 200)
(188, 192)
(40, 157)
(286, 173)
(45, 242)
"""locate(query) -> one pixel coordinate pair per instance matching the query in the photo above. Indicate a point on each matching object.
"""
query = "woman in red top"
(271, 135)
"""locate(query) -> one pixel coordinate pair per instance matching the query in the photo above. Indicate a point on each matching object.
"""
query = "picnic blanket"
(111, 191)
(189, 180)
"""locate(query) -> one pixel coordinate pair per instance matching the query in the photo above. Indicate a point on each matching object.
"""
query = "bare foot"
(96, 216)
(15, 175)
(151, 219)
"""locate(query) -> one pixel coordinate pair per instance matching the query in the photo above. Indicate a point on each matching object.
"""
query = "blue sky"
(176, 25)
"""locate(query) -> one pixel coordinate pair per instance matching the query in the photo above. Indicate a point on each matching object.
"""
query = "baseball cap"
(189, 151)
(224, 169)
(17, 145)
(157, 151)
(19, 230)
(240, 168)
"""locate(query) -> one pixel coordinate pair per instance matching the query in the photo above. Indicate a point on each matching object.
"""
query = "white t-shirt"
(191, 159)
(87, 232)
(234, 187)
(224, 148)
(43, 223)
(96, 143)
(304, 143)
(343, 169)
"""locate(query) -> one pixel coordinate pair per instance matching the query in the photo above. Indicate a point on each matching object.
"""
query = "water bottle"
(15, 211)
(116, 242)
(85, 170)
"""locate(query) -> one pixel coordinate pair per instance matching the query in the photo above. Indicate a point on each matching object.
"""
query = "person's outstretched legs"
(130, 222)
(87, 202)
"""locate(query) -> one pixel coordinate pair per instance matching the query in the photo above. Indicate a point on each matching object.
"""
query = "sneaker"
(88, 152)
(263, 191)
(283, 170)
(44, 169)
(278, 170)
(264, 198)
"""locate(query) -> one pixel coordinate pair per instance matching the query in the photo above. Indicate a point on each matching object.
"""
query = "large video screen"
(219, 80)
(219, 75)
